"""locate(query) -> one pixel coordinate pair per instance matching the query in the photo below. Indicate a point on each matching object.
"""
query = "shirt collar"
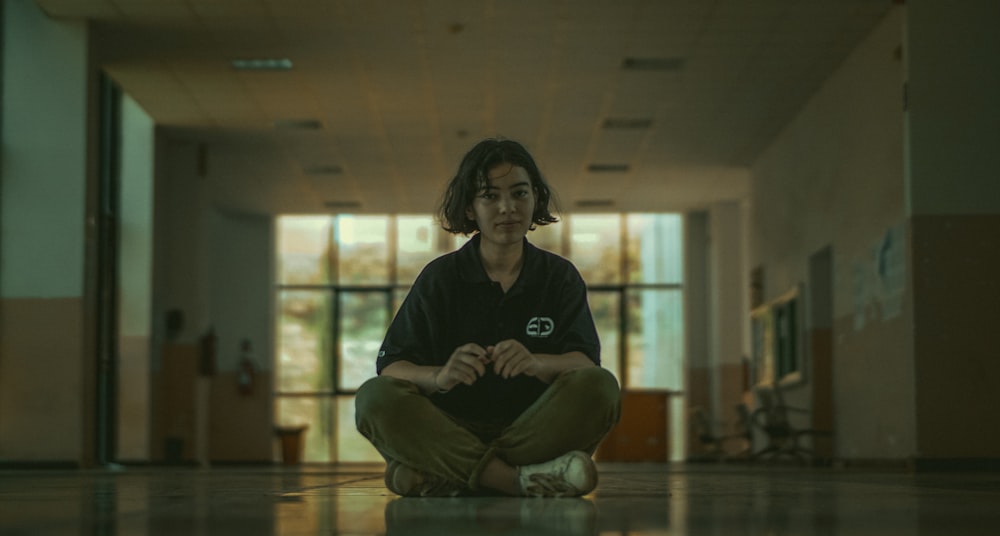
(470, 264)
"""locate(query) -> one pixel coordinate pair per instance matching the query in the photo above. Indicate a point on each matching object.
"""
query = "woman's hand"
(510, 358)
(466, 365)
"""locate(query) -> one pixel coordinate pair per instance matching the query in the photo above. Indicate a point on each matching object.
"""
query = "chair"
(772, 418)
(716, 445)
(745, 425)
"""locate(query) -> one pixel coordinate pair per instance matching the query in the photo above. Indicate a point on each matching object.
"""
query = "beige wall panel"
(175, 429)
(40, 379)
(821, 372)
(873, 390)
(240, 425)
(957, 281)
(133, 398)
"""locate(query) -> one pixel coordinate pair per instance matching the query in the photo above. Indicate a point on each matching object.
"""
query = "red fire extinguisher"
(247, 371)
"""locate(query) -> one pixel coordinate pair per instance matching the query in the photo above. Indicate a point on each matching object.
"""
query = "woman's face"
(504, 209)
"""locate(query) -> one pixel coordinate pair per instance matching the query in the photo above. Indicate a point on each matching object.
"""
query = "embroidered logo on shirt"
(540, 326)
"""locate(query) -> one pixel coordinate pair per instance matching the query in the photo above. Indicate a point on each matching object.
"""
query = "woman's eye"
(521, 193)
(488, 196)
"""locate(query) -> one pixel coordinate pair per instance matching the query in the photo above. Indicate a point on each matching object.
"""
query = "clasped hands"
(470, 362)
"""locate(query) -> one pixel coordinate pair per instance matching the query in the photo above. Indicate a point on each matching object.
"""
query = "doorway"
(124, 278)
(820, 340)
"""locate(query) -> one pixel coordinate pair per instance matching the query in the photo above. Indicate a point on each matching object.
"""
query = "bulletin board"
(776, 329)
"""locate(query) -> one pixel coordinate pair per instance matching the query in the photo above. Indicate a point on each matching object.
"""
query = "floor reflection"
(490, 515)
(629, 501)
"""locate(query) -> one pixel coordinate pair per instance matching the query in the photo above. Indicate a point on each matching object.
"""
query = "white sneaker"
(570, 475)
(408, 482)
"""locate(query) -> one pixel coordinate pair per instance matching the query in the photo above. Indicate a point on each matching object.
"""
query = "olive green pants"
(574, 413)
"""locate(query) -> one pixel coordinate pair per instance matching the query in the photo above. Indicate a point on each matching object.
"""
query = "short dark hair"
(473, 177)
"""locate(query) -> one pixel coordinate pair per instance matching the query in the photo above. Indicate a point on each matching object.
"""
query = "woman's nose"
(506, 204)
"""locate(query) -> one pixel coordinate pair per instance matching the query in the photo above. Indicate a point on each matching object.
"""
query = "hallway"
(633, 500)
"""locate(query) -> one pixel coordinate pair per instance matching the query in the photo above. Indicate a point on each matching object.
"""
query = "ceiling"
(397, 91)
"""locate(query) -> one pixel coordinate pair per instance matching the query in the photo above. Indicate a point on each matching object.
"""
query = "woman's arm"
(511, 358)
(423, 377)
(465, 365)
(551, 366)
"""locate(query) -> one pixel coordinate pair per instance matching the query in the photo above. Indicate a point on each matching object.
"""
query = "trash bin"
(291, 443)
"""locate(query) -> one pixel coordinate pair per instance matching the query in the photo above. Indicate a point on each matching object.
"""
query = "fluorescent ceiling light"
(627, 123)
(326, 169)
(653, 64)
(595, 203)
(608, 168)
(337, 205)
(300, 124)
(263, 64)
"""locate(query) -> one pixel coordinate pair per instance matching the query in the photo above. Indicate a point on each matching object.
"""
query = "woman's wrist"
(434, 381)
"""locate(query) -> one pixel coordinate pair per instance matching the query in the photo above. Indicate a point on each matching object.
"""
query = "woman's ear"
(470, 214)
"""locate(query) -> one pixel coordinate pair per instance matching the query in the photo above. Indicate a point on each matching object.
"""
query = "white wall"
(44, 154)
(834, 176)
(728, 292)
(135, 280)
(953, 136)
(136, 209)
(242, 286)
(182, 249)
(43, 186)
(696, 291)
(215, 267)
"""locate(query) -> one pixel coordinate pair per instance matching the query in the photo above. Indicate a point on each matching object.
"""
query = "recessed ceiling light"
(627, 123)
(300, 124)
(263, 64)
(340, 205)
(595, 203)
(653, 64)
(323, 170)
(608, 168)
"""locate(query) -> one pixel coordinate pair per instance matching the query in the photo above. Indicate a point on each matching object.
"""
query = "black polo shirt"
(453, 302)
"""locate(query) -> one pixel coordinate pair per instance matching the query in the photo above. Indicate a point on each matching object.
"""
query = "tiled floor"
(630, 500)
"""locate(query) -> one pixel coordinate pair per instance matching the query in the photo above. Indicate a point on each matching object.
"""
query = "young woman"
(489, 377)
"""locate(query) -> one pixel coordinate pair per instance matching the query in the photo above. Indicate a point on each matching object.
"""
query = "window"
(776, 343)
(595, 247)
(340, 281)
(342, 278)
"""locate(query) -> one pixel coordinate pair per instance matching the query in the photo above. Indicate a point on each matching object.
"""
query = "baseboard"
(61, 465)
(957, 464)
(922, 464)
(878, 464)
(239, 463)
(158, 463)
